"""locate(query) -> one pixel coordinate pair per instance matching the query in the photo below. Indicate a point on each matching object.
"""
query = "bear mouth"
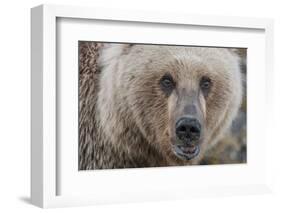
(186, 152)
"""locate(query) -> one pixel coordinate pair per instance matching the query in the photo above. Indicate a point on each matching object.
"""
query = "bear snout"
(188, 130)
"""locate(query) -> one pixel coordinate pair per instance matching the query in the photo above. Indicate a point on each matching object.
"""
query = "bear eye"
(205, 84)
(167, 83)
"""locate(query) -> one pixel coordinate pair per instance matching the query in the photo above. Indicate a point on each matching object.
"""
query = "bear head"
(179, 99)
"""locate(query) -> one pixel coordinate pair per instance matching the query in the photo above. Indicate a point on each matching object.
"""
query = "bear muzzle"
(188, 134)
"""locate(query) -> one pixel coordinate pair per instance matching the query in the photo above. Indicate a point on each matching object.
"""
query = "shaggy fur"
(125, 119)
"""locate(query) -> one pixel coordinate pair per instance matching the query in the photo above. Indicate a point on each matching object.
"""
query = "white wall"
(15, 107)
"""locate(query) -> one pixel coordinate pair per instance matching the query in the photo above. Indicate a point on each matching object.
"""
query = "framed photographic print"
(130, 106)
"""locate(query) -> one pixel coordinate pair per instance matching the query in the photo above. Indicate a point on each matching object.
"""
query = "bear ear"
(240, 52)
(234, 50)
(241, 55)
(112, 51)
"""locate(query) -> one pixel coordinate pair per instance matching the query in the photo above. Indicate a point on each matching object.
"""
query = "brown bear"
(154, 105)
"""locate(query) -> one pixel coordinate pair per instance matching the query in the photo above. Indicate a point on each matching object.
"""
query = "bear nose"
(188, 130)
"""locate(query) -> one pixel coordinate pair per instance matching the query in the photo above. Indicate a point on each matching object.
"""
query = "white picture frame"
(44, 153)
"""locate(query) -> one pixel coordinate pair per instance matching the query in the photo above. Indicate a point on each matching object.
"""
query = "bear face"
(180, 100)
